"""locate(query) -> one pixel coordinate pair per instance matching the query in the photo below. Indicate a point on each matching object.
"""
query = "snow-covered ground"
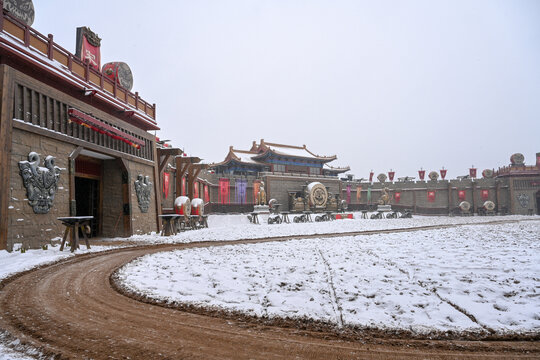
(234, 227)
(273, 280)
(467, 278)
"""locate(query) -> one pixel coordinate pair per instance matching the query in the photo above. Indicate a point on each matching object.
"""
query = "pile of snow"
(467, 278)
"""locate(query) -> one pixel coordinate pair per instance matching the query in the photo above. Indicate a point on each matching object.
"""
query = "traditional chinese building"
(74, 140)
(283, 169)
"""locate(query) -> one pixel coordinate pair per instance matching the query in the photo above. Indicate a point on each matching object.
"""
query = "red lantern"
(461, 195)
(431, 195)
(391, 175)
(397, 196)
(421, 174)
(485, 194)
(472, 172)
(443, 173)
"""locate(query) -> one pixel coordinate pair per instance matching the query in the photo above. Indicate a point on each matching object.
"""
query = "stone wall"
(414, 195)
(142, 223)
(26, 227)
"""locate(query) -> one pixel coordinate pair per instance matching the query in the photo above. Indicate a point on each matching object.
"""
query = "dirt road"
(70, 309)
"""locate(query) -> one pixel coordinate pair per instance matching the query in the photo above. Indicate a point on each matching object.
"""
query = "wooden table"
(73, 224)
(169, 224)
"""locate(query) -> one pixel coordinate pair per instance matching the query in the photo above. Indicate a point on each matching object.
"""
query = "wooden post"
(50, 43)
(157, 187)
(6, 111)
(71, 163)
(126, 196)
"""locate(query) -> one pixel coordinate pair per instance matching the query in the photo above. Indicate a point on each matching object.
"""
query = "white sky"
(381, 84)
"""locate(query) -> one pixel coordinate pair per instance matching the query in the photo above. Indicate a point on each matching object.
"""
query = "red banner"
(421, 174)
(443, 173)
(391, 175)
(485, 195)
(183, 186)
(206, 194)
(358, 193)
(472, 172)
(397, 196)
(461, 195)
(91, 53)
(256, 186)
(371, 176)
(166, 177)
(431, 195)
(195, 190)
(224, 191)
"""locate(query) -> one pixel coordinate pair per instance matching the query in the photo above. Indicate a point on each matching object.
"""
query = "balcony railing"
(32, 39)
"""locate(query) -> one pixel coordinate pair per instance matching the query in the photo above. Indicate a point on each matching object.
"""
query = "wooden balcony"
(23, 41)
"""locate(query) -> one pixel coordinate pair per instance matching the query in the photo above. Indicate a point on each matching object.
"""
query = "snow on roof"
(244, 156)
(336, 168)
(296, 151)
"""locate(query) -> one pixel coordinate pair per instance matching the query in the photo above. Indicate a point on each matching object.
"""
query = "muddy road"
(71, 310)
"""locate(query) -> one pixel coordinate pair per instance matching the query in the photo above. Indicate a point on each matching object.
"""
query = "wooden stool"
(73, 224)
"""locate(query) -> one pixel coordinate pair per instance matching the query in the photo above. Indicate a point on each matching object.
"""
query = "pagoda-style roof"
(240, 156)
(265, 148)
(336, 169)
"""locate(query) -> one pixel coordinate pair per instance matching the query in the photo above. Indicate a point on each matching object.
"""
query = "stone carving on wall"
(523, 200)
(41, 183)
(143, 189)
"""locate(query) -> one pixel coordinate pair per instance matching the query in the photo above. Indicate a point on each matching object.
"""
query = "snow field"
(235, 227)
(473, 278)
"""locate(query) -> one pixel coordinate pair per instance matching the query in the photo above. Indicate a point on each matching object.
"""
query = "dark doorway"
(87, 200)
(538, 202)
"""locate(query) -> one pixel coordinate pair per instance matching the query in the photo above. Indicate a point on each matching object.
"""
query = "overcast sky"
(381, 84)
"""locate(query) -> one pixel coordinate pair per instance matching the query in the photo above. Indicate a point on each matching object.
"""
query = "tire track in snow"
(434, 291)
(332, 291)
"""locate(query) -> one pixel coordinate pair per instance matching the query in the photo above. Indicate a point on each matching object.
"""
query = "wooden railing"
(30, 37)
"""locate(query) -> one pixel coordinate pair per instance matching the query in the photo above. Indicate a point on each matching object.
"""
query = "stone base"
(384, 208)
(261, 209)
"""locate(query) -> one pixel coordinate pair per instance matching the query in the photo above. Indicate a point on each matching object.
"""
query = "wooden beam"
(6, 128)
(71, 163)
(193, 173)
(126, 197)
